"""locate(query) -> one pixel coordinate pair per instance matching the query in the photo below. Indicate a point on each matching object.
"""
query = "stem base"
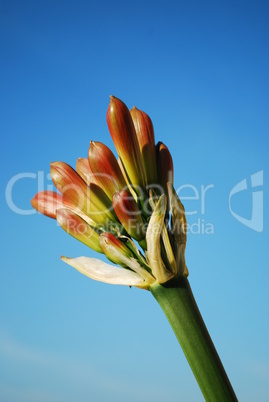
(177, 301)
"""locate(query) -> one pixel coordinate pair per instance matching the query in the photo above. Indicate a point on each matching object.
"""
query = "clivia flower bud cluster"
(125, 208)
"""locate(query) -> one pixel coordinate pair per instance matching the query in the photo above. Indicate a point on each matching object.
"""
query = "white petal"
(103, 272)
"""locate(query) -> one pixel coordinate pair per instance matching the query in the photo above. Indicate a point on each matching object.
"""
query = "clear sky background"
(200, 70)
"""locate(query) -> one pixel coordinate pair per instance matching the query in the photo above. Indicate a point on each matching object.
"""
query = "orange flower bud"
(122, 130)
(77, 227)
(114, 249)
(105, 168)
(47, 202)
(165, 165)
(129, 214)
(84, 170)
(146, 140)
(91, 200)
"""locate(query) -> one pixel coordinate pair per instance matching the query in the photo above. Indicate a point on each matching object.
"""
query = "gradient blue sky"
(200, 70)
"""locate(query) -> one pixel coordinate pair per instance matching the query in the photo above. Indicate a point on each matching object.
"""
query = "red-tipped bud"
(47, 203)
(114, 249)
(129, 214)
(84, 170)
(91, 200)
(69, 183)
(165, 165)
(74, 225)
(122, 130)
(105, 167)
(146, 140)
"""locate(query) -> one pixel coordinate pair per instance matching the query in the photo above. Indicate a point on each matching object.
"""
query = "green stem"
(178, 303)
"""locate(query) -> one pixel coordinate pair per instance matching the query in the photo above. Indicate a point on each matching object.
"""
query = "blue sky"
(200, 70)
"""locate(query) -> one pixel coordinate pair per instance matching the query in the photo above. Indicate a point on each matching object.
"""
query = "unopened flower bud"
(84, 170)
(114, 249)
(129, 214)
(91, 200)
(117, 252)
(122, 130)
(165, 165)
(105, 168)
(145, 135)
(77, 227)
(47, 202)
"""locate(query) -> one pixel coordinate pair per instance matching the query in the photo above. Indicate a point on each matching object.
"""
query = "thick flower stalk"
(127, 209)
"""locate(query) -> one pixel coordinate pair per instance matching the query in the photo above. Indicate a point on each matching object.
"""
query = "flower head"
(110, 205)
